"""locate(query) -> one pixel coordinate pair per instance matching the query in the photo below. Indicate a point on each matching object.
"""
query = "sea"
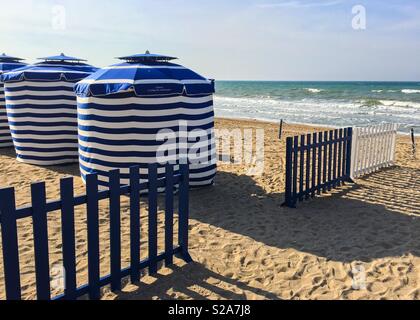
(335, 104)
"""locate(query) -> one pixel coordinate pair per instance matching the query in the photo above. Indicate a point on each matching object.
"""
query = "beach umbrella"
(42, 110)
(7, 63)
(123, 109)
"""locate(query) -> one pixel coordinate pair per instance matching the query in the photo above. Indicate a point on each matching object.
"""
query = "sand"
(246, 246)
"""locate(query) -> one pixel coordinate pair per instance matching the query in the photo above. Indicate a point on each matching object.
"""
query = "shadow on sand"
(375, 218)
(194, 281)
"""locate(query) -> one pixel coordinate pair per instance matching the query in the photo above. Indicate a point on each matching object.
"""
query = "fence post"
(152, 170)
(169, 214)
(93, 235)
(348, 154)
(288, 192)
(135, 223)
(68, 234)
(10, 244)
(115, 228)
(184, 212)
(40, 230)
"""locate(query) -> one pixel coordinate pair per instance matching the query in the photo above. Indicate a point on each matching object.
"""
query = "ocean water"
(323, 103)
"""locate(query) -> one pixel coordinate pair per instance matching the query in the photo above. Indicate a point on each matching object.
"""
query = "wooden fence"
(373, 148)
(40, 208)
(316, 163)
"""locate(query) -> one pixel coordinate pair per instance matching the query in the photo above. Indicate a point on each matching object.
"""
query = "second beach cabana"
(7, 63)
(122, 109)
(42, 111)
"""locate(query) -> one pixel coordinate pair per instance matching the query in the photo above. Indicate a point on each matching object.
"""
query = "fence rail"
(40, 208)
(316, 163)
(373, 148)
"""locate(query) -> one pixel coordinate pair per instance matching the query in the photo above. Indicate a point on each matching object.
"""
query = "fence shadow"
(194, 281)
(372, 219)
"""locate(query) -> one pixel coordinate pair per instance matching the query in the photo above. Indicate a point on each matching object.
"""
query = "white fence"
(373, 148)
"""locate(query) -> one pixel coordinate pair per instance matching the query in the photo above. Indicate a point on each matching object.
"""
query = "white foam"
(313, 90)
(410, 91)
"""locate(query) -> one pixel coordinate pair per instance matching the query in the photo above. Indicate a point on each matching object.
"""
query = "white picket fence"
(373, 148)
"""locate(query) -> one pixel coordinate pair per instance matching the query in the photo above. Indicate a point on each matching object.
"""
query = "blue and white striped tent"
(122, 110)
(7, 63)
(42, 109)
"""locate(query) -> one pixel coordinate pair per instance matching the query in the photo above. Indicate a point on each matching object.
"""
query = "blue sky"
(230, 39)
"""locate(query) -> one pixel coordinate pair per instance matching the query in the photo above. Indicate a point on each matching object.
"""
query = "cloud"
(299, 4)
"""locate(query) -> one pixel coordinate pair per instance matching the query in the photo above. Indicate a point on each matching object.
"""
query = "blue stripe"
(151, 107)
(47, 158)
(40, 107)
(39, 141)
(146, 118)
(46, 151)
(42, 124)
(140, 130)
(41, 89)
(41, 98)
(127, 142)
(42, 115)
(122, 154)
(46, 133)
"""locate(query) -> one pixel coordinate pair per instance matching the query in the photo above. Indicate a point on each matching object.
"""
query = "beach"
(244, 244)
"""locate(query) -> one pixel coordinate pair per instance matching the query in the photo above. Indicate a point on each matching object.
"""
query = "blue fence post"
(184, 212)
(348, 154)
(335, 158)
(10, 244)
(308, 166)
(319, 177)
(330, 157)
(289, 167)
(325, 161)
(340, 155)
(135, 223)
(93, 235)
(301, 166)
(169, 214)
(40, 230)
(295, 170)
(152, 218)
(314, 171)
(115, 228)
(68, 234)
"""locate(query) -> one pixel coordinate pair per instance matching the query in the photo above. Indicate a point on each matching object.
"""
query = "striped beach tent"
(42, 111)
(7, 63)
(146, 110)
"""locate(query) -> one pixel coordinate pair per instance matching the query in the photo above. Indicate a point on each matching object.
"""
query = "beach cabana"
(124, 111)
(42, 110)
(7, 63)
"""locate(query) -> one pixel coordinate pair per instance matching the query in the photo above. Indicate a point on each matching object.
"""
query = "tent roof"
(6, 58)
(144, 57)
(61, 57)
(50, 71)
(145, 78)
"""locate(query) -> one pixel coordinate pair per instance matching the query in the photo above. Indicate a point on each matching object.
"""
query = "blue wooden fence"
(40, 208)
(316, 163)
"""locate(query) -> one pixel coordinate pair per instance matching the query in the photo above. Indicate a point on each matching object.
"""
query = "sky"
(227, 39)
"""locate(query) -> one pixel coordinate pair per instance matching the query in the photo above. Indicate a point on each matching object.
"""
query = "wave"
(313, 90)
(410, 91)
(377, 91)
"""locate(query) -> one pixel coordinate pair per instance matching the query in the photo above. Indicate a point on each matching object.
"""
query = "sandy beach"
(245, 245)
